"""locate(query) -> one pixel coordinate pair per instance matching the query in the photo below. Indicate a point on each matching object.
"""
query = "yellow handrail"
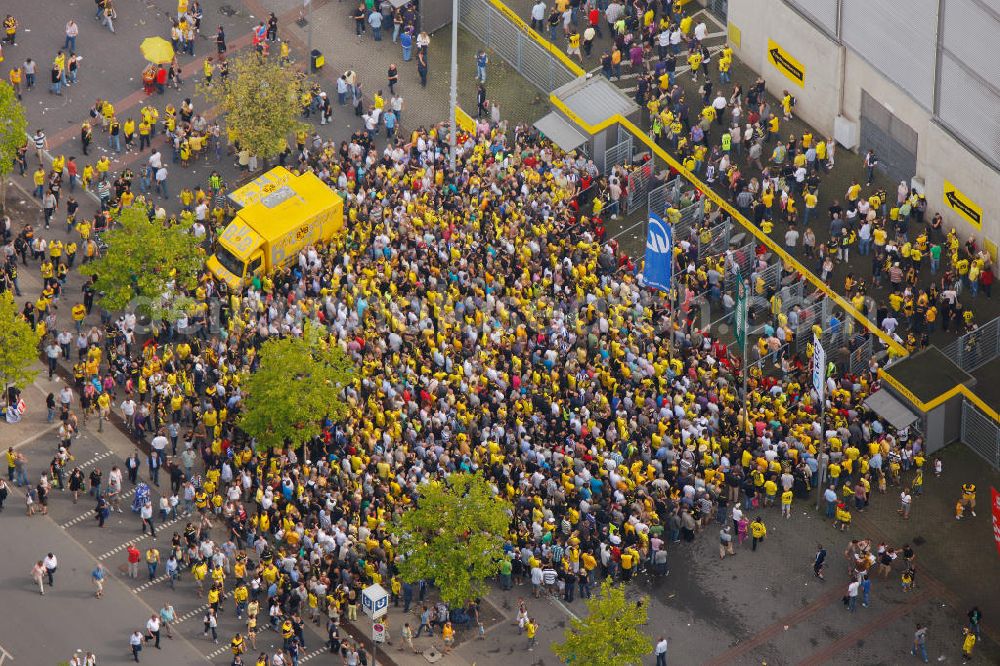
(512, 16)
(895, 348)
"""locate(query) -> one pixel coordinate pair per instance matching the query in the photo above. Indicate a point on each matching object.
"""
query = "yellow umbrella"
(157, 50)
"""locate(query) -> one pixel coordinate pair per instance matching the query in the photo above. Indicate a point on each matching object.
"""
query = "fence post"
(488, 37)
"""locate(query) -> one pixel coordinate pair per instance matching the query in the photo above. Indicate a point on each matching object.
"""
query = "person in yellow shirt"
(786, 504)
(694, 62)
(531, 629)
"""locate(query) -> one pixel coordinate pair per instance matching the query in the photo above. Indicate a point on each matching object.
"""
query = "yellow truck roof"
(239, 238)
(288, 206)
(261, 186)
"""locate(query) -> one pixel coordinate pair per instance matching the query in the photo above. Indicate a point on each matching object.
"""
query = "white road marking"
(118, 549)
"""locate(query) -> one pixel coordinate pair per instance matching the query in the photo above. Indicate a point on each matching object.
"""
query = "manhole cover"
(227, 10)
(302, 22)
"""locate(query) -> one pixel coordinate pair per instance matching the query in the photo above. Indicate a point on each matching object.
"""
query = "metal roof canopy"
(396, 4)
(558, 130)
(595, 99)
(885, 405)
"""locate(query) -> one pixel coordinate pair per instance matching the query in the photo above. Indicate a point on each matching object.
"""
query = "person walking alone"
(38, 575)
(661, 647)
(135, 642)
(819, 562)
(97, 576)
(758, 531)
(51, 564)
(919, 648)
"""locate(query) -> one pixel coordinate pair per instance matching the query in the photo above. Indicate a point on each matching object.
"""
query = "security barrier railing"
(502, 31)
(976, 348)
(981, 433)
(551, 75)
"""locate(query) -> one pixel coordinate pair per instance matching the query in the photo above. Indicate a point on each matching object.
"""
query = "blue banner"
(659, 254)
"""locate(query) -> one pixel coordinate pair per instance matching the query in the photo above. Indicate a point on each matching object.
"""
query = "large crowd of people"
(492, 331)
(494, 328)
(923, 276)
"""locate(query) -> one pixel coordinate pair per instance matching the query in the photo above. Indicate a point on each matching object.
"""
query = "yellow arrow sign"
(785, 63)
(963, 205)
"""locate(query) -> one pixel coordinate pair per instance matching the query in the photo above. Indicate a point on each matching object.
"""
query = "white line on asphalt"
(560, 604)
(38, 434)
(118, 549)
(215, 653)
(90, 514)
(150, 583)
(99, 457)
(187, 616)
(711, 17)
(315, 653)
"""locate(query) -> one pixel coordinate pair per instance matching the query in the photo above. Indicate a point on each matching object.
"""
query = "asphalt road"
(755, 607)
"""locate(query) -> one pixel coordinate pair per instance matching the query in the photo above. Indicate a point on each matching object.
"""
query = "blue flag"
(659, 253)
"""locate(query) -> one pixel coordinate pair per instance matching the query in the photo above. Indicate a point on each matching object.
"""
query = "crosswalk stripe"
(90, 514)
(118, 549)
(150, 583)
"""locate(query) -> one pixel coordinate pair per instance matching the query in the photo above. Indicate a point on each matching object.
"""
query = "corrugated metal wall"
(898, 39)
(955, 75)
(969, 77)
(822, 12)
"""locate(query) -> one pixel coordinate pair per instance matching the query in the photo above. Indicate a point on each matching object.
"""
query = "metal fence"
(508, 36)
(738, 267)
(861, 355)
(981, 434)
(639, 180)
(718, 239)
(618, 154)
(976, 348)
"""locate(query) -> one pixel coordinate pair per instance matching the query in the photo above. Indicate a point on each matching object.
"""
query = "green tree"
(18, 345)
(147, 264)
(454, 536)
(609, 635)
(297, 384)
(260, 102)
(13, 129)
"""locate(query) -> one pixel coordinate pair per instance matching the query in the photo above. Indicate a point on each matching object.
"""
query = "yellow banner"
(963, 205)
(735, 36)
(793, 70)
(464, 121)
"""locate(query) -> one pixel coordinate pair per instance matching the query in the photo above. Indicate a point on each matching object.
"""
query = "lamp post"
(453, 138)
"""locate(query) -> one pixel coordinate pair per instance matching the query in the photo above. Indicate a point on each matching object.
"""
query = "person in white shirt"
(661, 652)
(153, 628)
(538, 16)
(135, 642)
(159, 445)
(51, 564)
(128, 411)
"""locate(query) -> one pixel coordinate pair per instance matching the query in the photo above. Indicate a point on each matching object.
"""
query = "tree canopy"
(18, 345)
(610, 634)
(297, 384)
(260, 102)
(13, 133)
(146, 264)
(454, 536)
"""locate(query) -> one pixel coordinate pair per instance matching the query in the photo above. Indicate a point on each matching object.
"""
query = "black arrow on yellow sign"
(781, 60)
(955, 202)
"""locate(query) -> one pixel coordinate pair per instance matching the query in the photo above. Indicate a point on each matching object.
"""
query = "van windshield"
(230, 262)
